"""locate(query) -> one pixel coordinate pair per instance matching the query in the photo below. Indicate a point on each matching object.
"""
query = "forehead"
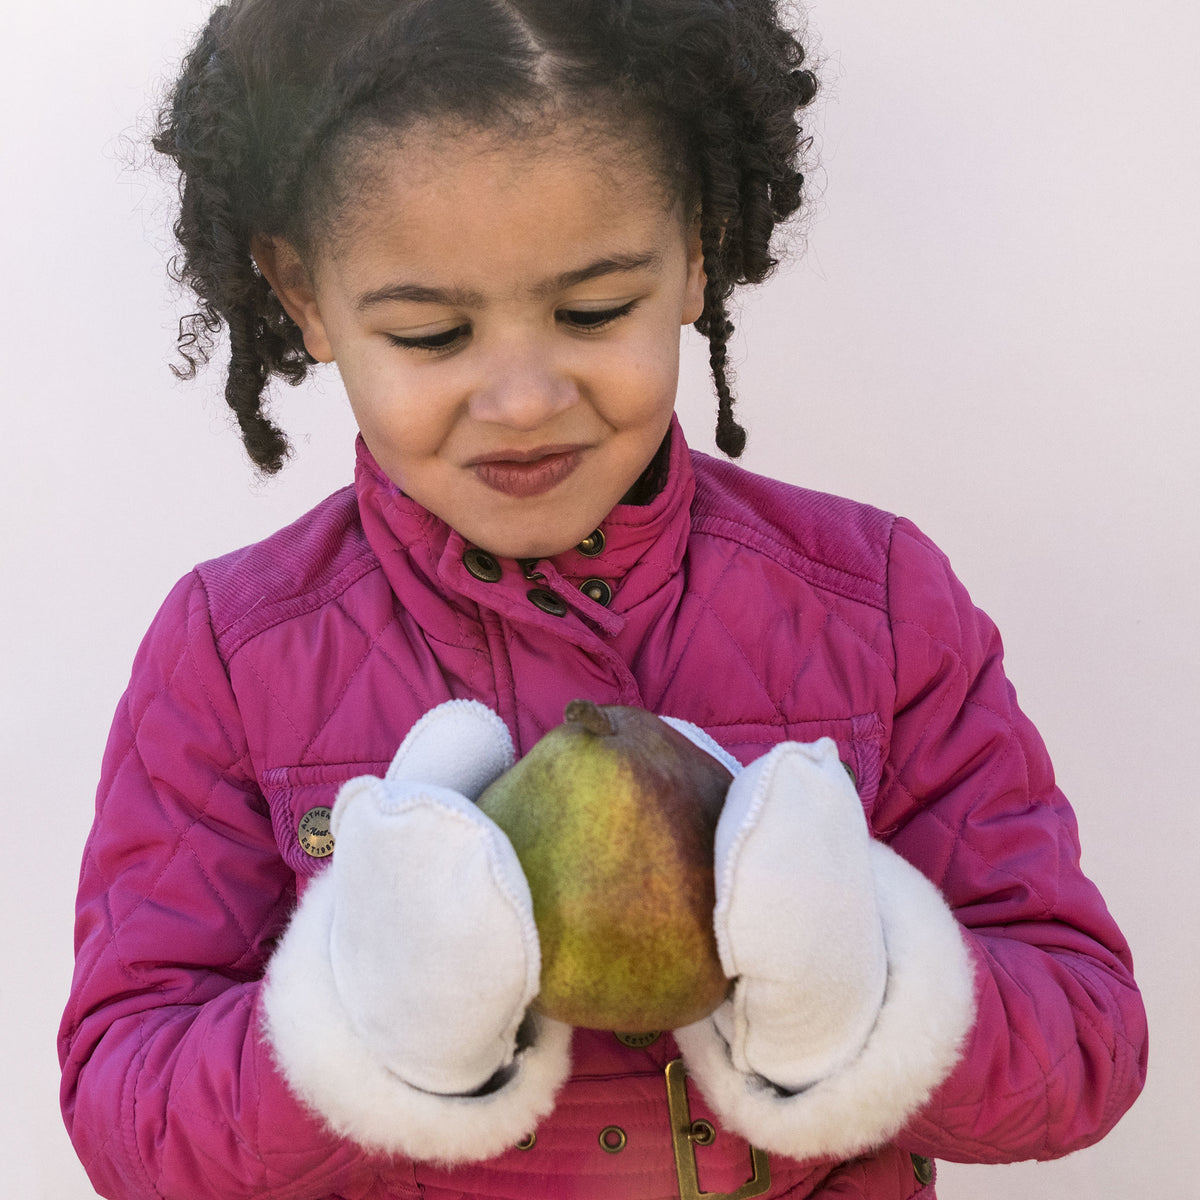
(442, 188)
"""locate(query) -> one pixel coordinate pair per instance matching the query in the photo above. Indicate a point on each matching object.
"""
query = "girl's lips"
(521, 477)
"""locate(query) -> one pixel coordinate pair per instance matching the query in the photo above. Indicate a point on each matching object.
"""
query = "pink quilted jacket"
(759, 611)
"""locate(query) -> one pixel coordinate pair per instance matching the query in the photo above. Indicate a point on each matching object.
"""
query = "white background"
(994, 328)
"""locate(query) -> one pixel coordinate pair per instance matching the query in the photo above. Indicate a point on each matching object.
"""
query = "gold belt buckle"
(686, 1134)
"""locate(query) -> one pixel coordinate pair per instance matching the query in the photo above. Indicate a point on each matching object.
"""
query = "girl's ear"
(283, 269)
(693, 296)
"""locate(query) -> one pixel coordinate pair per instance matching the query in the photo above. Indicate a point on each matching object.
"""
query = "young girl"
(306, 960)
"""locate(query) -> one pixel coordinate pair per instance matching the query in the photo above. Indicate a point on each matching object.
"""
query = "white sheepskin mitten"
(797, 920)
(853, 986)
(397, 999)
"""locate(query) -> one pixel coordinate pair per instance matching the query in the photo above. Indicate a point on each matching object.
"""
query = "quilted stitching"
(334, 639)
(1000, 841)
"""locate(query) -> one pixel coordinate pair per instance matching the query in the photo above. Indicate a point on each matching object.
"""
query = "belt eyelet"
(612, 1139)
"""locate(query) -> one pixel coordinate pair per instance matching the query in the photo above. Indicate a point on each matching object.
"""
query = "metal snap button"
(612, 1139)
(850, 771)
(922, 1168)
(527, 1142)
(316, 840)
(598, 590)
(593, 545)
(548, 601)
(482, 565)
(638, 1041)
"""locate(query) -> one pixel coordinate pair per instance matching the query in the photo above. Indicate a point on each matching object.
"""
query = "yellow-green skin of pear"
(615, 836)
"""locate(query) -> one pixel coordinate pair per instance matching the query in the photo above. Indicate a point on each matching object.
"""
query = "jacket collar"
(422, 556)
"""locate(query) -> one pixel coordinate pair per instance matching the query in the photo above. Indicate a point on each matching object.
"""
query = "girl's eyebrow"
(612, 265)
(416, 293)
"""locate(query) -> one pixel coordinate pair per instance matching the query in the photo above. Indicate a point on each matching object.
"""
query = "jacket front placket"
(544, 638)
(548, 643)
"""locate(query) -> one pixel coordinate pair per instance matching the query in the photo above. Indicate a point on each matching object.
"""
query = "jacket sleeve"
(1057, 1052)
(169, 1089)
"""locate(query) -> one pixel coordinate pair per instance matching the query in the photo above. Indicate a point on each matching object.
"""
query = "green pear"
(612, 815)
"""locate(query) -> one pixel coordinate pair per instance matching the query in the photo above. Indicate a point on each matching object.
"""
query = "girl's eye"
(591, 319)
(431, 342)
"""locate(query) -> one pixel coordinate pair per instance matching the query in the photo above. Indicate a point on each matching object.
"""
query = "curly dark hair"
(275, 95)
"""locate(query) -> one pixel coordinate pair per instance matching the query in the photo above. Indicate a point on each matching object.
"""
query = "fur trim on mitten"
(329, 1066)
(396, 1002)
(928, 1009)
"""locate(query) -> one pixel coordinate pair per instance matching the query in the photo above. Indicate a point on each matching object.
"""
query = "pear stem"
(593, 718)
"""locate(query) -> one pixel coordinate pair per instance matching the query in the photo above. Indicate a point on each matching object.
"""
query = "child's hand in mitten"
(396, 1000)
(797, 922)
(433, 945)
(853, 986)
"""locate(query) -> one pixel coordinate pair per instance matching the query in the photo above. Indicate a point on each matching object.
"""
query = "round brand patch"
(638, 1041)
(315, 837)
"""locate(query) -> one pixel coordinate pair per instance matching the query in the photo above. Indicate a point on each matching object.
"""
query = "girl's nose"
(523, 389)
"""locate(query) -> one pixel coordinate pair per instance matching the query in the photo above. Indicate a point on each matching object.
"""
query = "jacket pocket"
(859, 741)
(300, 800)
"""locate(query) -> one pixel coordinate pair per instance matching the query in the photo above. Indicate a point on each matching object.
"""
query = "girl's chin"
(525, 550)
(535, 539)
(543, 529)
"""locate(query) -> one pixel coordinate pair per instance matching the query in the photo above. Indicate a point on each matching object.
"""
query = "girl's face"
(506, 318)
